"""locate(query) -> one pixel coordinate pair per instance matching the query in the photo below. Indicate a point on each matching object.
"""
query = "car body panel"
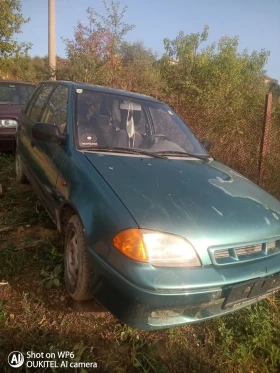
(95, 201)
(207, 203)
(9, 111)
(162, 279)
(7, 139)
(7, 135)
(135, 305)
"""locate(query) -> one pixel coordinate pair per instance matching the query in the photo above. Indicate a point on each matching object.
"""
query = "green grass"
(37, 314)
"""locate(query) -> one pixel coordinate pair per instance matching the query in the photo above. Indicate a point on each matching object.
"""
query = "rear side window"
(56, 109)
(39, 103)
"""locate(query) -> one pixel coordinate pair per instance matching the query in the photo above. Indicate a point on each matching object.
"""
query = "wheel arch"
(63, 214)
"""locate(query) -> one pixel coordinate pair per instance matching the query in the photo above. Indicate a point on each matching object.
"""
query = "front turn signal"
(130, 243)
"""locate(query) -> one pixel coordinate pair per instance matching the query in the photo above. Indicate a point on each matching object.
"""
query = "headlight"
(159, 249)
(8, 123)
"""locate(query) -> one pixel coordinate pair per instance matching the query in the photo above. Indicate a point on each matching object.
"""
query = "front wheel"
(20, 176)
(77, 270)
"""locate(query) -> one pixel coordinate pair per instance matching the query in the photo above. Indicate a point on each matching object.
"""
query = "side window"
(39, 103)
(56, 109)
(32, 99)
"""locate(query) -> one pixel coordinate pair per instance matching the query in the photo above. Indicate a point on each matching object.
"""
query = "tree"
(138, 70)
(215, 77)
(95, 48)
(10, 24)
(220, 92)
(133, 52)
(35, 69)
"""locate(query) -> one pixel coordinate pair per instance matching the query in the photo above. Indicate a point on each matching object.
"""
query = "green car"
(154, 228)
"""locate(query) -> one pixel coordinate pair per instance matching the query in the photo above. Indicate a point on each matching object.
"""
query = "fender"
(94, 201)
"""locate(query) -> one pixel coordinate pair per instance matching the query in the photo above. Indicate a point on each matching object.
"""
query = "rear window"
(15, 93)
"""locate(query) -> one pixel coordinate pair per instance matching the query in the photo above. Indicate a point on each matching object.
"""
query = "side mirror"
(206, 144)
(48, 132)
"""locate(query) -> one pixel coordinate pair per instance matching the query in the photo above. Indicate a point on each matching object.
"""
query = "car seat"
(122, 138)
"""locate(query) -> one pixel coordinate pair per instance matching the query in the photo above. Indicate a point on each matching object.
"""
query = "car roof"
(14, 82)
(78, 85)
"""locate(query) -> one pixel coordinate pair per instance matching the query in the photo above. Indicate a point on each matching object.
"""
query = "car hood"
(206, 202)
(10, 111)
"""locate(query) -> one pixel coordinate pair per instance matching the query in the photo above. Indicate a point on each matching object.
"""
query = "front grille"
(271, 245)
(244, 253)
(248, 250)
(221, 254)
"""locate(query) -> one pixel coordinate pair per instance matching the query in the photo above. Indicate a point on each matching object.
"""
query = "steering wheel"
(151, 139)
(107, 113)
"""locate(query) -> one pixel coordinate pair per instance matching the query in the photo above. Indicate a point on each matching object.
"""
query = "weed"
(52, 272)
(252, 336)
(52, 278)
(3, 314)
(12, 261)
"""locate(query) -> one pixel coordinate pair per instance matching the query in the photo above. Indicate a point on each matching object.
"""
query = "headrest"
(103, 121)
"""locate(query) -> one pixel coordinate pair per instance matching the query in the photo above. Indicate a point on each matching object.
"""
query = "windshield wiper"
(183, 154)
(126, 151)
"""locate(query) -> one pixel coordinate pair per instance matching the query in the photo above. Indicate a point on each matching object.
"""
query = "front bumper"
(7, 139)
(148, 309)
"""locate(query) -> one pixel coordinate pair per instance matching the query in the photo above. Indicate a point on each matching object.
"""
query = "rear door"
(29, 116)
(49, 156)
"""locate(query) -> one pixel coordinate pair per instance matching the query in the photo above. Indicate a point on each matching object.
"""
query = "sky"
(256, 22)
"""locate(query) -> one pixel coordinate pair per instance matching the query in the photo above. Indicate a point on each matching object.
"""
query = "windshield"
(105, 120)
(15, 93)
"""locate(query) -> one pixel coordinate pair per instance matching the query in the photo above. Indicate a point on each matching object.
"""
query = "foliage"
(275, 89)
(28, 69)
(220, 92)
(250, 334)
(52, 278)
(52, 273)
(95, 47)
(135, 58)
(10, 24)
(215, 77)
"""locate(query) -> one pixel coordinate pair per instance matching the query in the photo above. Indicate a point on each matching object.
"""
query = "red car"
(13, 95)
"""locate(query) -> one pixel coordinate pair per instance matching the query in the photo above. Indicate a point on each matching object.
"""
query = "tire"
(77, 270)
(20, 176)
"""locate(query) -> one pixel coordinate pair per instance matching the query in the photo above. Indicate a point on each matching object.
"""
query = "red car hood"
(10, 111)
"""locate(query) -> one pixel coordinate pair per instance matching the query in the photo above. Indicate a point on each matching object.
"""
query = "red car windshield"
(14, 93)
